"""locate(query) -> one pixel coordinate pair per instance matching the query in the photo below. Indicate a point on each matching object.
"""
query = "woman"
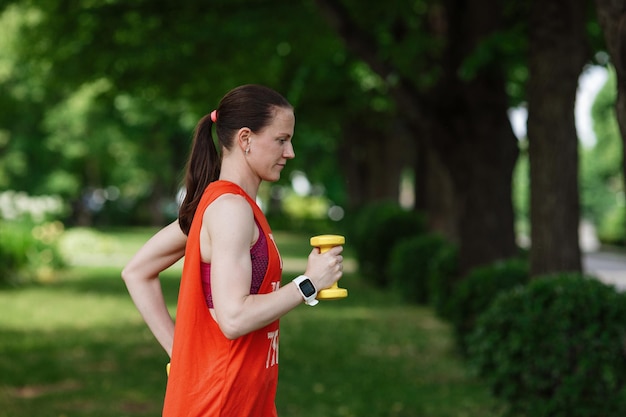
(224, 347)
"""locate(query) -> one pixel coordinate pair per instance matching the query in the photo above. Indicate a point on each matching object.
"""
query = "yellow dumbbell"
(325, 242)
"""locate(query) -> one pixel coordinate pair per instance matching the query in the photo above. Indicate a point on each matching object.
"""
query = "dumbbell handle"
(325, 243)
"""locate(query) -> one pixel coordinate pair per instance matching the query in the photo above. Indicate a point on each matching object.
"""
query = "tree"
(448, 83)
(162, 67)
(425, 83)
(558, 50)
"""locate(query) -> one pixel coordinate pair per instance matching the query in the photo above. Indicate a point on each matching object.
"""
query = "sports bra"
(258, 255)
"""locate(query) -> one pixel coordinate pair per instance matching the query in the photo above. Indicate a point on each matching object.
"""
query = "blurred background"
(492, 129)
(416, 102)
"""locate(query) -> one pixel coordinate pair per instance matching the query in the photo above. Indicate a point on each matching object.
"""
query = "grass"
(76, 346)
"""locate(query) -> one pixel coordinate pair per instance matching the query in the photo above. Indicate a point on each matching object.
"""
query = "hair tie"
(214, 116)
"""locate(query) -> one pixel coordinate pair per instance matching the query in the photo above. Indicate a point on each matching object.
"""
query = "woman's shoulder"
(216, 189)
(222, 186)
(229, 206)
(229, 215)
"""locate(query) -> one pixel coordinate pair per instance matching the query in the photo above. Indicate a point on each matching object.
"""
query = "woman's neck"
(246, 182)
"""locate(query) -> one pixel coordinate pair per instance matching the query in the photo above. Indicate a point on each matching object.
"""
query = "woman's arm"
(229, 223)
(141, 277)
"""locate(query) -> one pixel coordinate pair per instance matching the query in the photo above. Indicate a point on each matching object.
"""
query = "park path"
(607, 266)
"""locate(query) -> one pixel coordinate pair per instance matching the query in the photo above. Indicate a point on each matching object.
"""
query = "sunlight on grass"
(35, 309)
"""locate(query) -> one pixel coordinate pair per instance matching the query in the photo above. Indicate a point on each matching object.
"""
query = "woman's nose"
(289, 152)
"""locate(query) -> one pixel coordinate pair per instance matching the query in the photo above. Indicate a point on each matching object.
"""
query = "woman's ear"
(243, 138)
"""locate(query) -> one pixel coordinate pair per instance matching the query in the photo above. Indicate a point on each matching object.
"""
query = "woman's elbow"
(231, 328)
(129, 273)
(126, 275)
(231, 332)
(231, 335)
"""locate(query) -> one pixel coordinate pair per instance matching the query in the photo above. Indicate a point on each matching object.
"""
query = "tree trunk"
(473, 137)
(463, 123)
(612, 18)
(435, 194)
(557, 54)
(477, 146)
(373, 159)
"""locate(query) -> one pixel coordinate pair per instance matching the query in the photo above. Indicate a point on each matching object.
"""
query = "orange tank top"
(212, 376)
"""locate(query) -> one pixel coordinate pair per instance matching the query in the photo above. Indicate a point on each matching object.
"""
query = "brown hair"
(250, 106)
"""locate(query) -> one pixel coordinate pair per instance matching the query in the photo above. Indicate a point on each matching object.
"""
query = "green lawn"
(76, 346)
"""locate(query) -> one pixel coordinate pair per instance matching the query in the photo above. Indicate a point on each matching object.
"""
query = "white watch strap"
(310, 300)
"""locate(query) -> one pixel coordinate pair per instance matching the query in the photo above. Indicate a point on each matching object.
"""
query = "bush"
(444, 277)
(419, 265)
(477, 290)
(375, 230)
(28, 236)
(555, 348)
(13, 248)
(29, 252)
(612, 226)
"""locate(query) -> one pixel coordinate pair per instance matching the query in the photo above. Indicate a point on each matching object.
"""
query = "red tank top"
(212, 376)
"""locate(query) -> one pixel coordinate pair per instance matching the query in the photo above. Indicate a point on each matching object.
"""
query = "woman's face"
(271, 147)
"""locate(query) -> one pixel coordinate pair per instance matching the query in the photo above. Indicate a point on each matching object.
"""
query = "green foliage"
(305, 207)
(375, 230)
(601, 184)
(521, 191)
(474, 294)
(501, 48)
(555, 348)
(29, 252)
(421, 268)
(89, 113)
(14, 244)
(612, 227)
(29, 235)
(444, 277)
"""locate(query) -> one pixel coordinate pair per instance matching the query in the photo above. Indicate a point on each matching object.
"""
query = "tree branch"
(364, 46)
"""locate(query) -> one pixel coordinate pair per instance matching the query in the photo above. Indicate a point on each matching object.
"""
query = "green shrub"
(374, 232)
(612, 226)
(444, 277)
(14, 243)
(29, 252)
(555, 348)
(419, 265)
(473, 294)
(29, 231)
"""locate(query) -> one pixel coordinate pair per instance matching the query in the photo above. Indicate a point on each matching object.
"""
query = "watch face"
(307, 288)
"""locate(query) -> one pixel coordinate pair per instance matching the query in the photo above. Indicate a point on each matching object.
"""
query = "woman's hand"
(325, 269)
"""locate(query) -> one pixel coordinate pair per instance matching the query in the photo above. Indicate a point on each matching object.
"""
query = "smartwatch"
(307, 289)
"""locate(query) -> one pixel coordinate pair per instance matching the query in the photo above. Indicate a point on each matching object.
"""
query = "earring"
(247, 150)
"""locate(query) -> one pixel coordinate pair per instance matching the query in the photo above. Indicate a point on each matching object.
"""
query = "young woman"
(224, 346)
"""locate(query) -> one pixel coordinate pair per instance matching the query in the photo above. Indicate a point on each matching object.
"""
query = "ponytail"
(203, 168)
